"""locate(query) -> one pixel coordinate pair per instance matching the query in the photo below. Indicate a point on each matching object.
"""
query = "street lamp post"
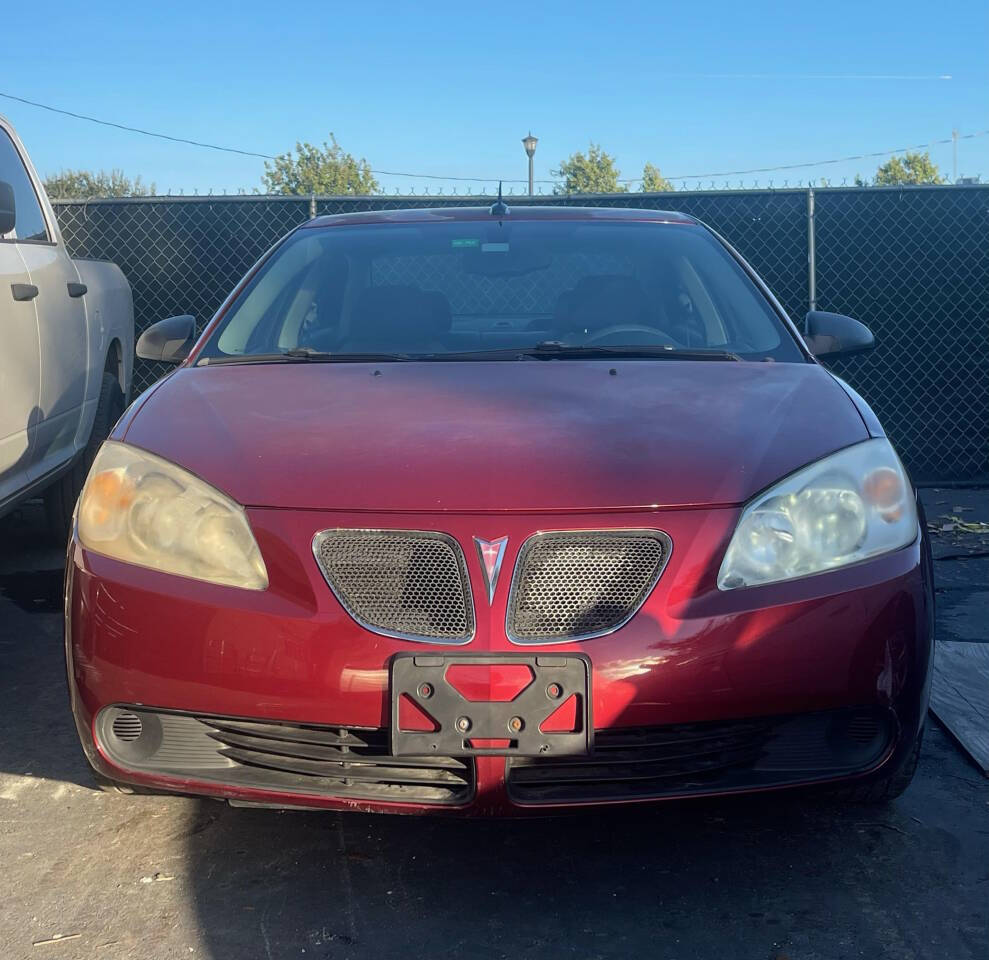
(529, 143)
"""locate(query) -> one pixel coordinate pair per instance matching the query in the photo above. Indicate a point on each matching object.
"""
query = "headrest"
(400, 316)
(439, 316)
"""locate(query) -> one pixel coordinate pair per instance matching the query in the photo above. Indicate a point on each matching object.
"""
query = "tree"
(911, 168)
(326, 170)
(594, 173)
(653, 181)
(85, 185)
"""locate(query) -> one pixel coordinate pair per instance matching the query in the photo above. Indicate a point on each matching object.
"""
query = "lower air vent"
(352, 762)
(649, 762)
(292, 758)
(863, 728)
(127, 727)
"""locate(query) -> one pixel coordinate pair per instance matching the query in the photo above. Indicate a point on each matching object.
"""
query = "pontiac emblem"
(491, 553)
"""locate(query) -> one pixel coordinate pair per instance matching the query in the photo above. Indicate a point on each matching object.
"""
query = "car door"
(20, 368)
(61, 317)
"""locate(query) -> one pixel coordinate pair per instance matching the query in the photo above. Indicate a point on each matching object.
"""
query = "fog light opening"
(127, 727)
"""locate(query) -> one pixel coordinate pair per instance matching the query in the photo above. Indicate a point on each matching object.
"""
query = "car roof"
(454, 214)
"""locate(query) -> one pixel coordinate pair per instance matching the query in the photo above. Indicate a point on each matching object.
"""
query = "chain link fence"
(911, 263)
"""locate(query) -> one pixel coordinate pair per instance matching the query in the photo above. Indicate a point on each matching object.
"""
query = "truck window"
(30, 220)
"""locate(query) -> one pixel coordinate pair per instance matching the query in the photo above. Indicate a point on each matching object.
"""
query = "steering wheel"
(654, 333)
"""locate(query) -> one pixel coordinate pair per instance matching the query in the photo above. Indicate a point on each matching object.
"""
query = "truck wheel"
(61, 496)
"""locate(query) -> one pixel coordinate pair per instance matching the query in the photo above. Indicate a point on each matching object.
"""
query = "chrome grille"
(578, 584)
(399, 582)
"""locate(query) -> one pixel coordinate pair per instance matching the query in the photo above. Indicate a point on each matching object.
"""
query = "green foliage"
(653, 181)
(910, 168)
(594, 172)
(326, 171)
(85, 185)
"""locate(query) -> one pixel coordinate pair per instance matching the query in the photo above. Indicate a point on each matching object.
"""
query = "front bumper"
(744, 676)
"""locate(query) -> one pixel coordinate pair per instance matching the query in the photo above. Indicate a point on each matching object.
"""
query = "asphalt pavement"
(87, 874)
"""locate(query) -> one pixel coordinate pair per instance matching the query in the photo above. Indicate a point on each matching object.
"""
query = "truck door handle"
(76, 289)
(24, 291)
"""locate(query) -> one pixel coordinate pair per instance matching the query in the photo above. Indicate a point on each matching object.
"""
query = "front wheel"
(61, 496)
(887, 787)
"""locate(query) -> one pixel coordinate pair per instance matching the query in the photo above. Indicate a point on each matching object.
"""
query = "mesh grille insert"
(399, 581)
(579, 584)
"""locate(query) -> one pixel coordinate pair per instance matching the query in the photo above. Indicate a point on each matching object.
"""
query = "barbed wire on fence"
(490, 191)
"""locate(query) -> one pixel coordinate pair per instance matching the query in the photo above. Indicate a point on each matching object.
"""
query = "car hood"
(493, 436)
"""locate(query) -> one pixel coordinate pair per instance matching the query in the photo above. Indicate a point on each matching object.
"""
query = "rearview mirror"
(834, 335)
(7, 215)
(504, 260)
(169, 341)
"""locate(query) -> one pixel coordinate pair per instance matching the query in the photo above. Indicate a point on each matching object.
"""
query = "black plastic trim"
(23, 291)
(490, 720)
(707, 758)
(319, 760)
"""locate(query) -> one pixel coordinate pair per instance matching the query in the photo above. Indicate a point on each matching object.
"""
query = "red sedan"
(499, 511)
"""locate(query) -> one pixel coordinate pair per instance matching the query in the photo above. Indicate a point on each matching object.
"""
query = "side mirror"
(834, 335)
(8, 216)
(169, 341)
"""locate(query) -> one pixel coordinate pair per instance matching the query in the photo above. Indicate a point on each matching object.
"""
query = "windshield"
(492, 290)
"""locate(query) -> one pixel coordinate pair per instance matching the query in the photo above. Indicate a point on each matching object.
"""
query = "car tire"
(109, 786)
(106, 785)
(888, 787)
(61, 496)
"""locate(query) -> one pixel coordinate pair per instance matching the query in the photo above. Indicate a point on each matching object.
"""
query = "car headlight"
(854, 504)
(142, 509)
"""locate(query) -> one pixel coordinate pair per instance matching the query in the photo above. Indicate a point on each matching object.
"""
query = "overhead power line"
(821, 163)
(437, 176)
(129, 129)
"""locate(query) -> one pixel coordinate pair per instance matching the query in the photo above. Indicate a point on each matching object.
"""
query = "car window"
(30, 223)
(457, 287)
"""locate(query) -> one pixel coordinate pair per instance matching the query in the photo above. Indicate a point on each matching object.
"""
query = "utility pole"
(811, 254)
(954, 156)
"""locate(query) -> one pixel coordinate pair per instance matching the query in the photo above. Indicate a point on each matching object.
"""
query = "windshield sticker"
(494, 248)
(465, 242)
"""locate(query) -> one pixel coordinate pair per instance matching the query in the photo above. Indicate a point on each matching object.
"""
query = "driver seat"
(607, 300)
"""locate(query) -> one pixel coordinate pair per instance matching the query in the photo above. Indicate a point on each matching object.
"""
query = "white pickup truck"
(66, 347)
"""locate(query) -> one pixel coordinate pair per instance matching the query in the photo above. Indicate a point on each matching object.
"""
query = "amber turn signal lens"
(883, 489)
(144, 510)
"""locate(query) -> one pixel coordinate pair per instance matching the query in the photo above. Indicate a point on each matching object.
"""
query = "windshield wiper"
(305, 355)
(556, 349)
(546, 350)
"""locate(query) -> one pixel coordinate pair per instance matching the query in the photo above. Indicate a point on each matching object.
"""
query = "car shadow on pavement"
(765, 876)
(39, 740)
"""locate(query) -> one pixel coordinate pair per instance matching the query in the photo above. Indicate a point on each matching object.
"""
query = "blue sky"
(450, 88)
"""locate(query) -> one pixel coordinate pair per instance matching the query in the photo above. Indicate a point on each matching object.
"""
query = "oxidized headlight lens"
(854, 504)
(142, 509)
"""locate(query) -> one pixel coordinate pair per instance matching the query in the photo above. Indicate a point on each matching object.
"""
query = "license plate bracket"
(423, 679)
